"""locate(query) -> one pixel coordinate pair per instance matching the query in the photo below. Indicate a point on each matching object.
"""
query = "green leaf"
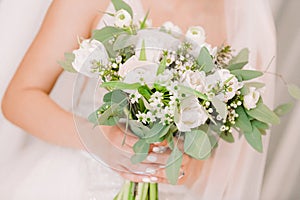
(220, 107)
(93, 118)
(106, 33)
(156, 132)
(143, 23)
(67, 63)
(294, 91)
(115, 96)
(120, 85)
(170, 141)
(141, 149)
(243, 122)
(120, 4)
(228, 137)
(138, 128)
(185, 89)
(143, 56)
(246, 74)
(260, 125)
(162, 66)
(197, 144)
(262, 113)
(110, 116)
(239, 61)
(145, 91)
(254, 139)
(173, 165)
(123, 41)
(205, 60)
(283, 109)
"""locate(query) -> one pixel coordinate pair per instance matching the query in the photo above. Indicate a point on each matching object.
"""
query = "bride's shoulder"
(76, 14)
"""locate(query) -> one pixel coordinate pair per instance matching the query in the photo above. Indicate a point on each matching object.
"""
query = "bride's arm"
(26, 102)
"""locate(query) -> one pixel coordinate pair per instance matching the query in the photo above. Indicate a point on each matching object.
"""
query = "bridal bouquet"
(166, 87)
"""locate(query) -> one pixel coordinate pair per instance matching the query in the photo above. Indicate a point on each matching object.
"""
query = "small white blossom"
(122, 18)
(134, 97)
(141, 117)
(150, 117)
(251, 99)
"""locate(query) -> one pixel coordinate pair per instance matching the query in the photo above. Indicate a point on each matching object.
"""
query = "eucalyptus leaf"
(110, 116)
(120, 4)
(239, 61)
(123, 41)
(116, 96)
(294, 91)
(93, 118)
(246, 74)
(242, 121)
(228, 137)
(283, 109)
(262, 113)
(67, 63)
(185, 89)
(197, 144)
(138, 128)
(254, 139)
(173, 165)
(205, 60)
(120, 85)
(260, 125)
(106, 33)
(156, 133)
(170, 141)
(220, 107)
(141, 149)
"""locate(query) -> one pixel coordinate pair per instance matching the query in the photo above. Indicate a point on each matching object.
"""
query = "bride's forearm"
(34, 111)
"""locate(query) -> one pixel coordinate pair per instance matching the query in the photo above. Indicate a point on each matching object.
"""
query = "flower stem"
(153, 191)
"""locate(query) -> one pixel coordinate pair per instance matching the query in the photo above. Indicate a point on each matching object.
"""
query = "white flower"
(251, 99)
(194, 79)
(134, 70)
(191, 114)
(171, 28)
(134, 97)
(122, 18)
(196, 34)
(225, 82)
(89, 52)
(141, 117)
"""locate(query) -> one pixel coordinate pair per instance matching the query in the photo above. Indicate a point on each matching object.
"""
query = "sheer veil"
(236, 170)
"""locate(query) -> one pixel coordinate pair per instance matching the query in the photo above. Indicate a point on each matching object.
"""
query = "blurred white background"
(282, 176)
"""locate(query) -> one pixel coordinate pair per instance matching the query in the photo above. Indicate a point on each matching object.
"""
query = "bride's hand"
(152, 169)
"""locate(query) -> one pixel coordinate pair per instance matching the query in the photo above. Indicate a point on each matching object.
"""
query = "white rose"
(155, 41)
(135, 70)
(195, 80)
(196, 34)
(251, 99)
(122, 18)
(171, 28)
(191, 114)
(220, 78)
(89, 51)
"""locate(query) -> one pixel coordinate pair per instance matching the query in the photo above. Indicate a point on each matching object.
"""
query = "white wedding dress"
(31, 169)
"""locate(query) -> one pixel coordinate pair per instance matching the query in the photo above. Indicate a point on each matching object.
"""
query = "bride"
(57, 167)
